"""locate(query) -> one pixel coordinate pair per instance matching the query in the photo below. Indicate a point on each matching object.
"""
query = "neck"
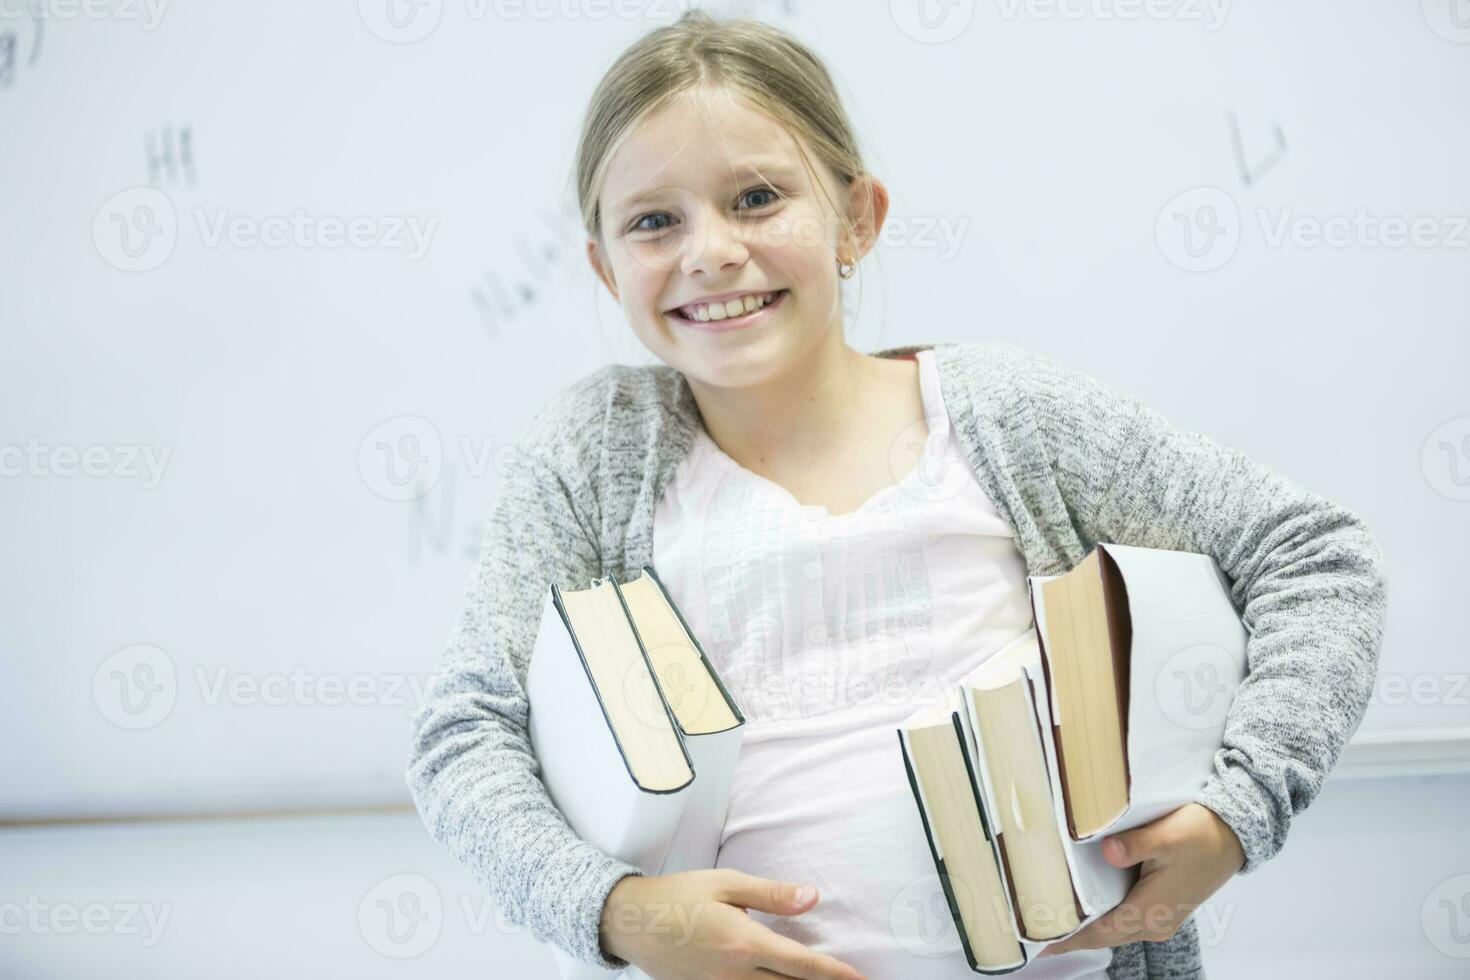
(795, 414)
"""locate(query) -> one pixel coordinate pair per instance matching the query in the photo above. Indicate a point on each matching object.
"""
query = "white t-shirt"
(829, 630)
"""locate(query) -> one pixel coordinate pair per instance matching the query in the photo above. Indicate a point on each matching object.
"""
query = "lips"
(731, 322)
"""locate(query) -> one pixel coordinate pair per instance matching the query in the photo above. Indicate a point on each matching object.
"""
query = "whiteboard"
(250, 458)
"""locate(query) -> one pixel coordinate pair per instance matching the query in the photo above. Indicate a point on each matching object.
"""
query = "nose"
(713, 246)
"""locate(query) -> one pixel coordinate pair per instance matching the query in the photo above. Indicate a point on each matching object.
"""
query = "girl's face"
(709, 198)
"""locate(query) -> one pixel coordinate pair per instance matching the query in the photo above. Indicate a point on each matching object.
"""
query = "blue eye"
(763, 190)
(638, 224)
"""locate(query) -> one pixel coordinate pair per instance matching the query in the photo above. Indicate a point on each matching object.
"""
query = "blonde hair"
(768, 67)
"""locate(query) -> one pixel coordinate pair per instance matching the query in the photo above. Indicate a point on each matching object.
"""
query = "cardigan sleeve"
(472, 772)
(1307, 577)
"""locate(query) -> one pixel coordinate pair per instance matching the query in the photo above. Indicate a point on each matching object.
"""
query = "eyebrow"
(754, 168)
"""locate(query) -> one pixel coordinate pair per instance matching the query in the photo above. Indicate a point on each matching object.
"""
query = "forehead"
(697, 141)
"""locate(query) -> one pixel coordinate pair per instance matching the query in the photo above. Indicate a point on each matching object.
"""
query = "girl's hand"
(1186, 855)
(694, 924)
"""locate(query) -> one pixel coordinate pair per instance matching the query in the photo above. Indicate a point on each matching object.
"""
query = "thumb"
(770, 895)
(1132, 846)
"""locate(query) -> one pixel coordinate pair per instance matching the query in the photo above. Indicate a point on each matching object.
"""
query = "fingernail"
(805, 894)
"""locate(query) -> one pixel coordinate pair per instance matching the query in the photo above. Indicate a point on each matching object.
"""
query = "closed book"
(1142, 653)
(952, 813)
(1057, 885)
(635, 736)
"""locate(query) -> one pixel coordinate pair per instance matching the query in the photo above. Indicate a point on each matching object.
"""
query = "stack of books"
(636, 736)
(1104, 716)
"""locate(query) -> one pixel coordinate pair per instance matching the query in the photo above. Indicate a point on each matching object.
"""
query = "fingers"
(1152, 841)
(1143, 914)
(764, 894)
(792, 959)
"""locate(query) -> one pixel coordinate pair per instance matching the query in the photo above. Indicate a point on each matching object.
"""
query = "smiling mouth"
(779, 295)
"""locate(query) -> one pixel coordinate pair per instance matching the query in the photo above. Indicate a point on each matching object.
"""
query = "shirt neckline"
(935, 417)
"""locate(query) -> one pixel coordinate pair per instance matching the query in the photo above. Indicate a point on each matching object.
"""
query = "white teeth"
(735, 307)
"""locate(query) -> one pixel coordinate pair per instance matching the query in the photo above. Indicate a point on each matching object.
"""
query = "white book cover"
(1187, 658)
(589, 780)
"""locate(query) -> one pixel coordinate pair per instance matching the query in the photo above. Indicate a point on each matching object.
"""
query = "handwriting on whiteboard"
(20, 43)
(169, 154)
(506, 293)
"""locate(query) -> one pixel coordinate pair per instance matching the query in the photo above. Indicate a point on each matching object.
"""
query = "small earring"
(844, 270)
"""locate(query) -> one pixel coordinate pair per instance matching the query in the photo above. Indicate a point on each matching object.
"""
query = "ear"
(594, 256)
(867, 207)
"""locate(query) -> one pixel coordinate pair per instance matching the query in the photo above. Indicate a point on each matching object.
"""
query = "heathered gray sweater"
(1068, 461)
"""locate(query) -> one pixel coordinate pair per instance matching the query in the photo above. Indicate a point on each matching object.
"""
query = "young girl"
(847, 534)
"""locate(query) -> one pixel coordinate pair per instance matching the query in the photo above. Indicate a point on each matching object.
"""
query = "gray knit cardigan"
(1067, 460)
